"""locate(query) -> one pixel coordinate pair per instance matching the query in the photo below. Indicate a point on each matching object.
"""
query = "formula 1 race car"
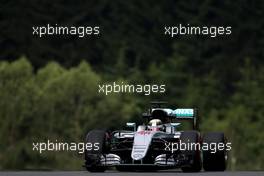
(158, 145)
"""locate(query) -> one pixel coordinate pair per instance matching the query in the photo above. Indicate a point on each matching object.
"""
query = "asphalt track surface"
(114, 173)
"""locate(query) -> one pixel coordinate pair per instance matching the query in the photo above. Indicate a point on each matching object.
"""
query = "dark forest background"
(49, 85)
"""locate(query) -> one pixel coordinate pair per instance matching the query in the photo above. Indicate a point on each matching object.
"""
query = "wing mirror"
(175, 124)
(131, 125)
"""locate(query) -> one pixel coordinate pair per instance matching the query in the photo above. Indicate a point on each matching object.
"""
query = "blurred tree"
(245, 117)
(53, 104)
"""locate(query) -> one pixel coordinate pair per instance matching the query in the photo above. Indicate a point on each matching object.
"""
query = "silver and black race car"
(160, 144)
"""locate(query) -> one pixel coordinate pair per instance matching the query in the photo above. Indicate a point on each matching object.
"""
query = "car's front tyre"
(214, 160)
(92, 157)
(189, 138)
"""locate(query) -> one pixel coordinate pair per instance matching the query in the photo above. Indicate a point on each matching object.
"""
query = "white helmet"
(155, 122)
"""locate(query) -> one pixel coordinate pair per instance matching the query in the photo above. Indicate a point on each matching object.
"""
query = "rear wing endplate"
(185, 114)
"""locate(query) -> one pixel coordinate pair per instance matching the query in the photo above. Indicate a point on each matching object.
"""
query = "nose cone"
(142, 141)
(137, 156)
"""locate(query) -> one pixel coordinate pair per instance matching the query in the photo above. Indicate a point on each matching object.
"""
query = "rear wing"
(186, 114)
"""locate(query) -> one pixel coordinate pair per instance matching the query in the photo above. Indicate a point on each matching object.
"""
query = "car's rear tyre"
(188, 138)
(215, 159)
(92, 157)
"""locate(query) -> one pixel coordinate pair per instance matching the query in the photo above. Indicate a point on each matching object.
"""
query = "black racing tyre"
(192, 137)
(92, 157)
(214, 159)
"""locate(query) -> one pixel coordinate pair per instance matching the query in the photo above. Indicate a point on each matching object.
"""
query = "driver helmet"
(155, 124)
